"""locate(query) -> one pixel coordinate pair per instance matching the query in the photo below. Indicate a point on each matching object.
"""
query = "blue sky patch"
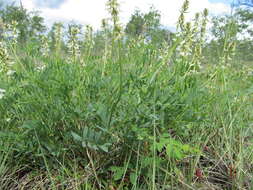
(49, 3)
(39, 3)
(222, 1)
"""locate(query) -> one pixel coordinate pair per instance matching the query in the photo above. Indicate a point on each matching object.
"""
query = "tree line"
(236, 26)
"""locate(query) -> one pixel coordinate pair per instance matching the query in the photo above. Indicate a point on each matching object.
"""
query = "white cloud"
(28, 4)
(92, 12)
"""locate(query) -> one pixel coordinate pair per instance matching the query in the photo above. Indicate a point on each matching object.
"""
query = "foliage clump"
(137, 107)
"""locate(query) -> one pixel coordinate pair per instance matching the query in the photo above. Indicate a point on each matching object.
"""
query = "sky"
(93, 11)
(221, 1)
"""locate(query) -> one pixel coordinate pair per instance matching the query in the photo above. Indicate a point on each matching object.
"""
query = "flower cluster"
(57, 37)
(113, 8)
(4, 57)
(12, 33)
(73, 42)
(44, 46)
(2, 93)
(192, 35)
(88, 40)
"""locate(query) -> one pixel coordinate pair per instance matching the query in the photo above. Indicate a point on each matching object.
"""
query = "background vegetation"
(134, 107)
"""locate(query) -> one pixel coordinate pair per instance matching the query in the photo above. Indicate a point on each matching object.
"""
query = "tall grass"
(135, 117)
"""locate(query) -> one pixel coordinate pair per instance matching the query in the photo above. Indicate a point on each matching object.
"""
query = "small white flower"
(10, 72)
(223, 67)
(2, 92)
(40, 67)
(250, 73)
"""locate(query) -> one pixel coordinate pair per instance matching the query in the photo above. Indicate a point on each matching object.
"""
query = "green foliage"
(245, 17)
(136, 24)
(128, 111)
(30, 24)
(56, 37)
(92, 139)
(149, 26)
(232, 34)
(173, 148)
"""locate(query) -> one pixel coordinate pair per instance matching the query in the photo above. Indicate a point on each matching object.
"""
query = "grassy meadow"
(127, 114)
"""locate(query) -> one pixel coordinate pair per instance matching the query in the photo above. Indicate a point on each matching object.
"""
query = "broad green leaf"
(118, 172)
(133, 178)
(76, 136)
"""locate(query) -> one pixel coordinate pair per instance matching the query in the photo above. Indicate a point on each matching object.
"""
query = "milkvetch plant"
(88, 41)
(4, 57)
(44, 49)
(74, 43)
(141, 114)
(57, 37)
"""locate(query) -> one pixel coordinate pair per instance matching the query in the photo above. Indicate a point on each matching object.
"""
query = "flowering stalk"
(5, 61)
(4, 57)
(199, 41)
(44, 46)
(73, 43)
(184, 32)
(181, 20)
(12, 33)
(106, 52)
(193, 38)
(57, 37)
(88, 40)
(113, 8)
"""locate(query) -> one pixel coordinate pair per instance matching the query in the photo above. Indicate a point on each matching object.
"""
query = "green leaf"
(147, 161)
(105, 147)
(186, 148)
(159, 146)
(133, 178)
(103, 114)
(84, 144)
(30, 124)
(178, 154)
(174, 151)
(118, 172)
(85, 132)
(76, 136)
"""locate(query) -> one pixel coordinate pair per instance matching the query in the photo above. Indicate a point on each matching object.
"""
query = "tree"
(135, 26)
(245, 45)
(236, 27)
(37, 26)
(245, 18)
(148, 25)
(29, 24)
